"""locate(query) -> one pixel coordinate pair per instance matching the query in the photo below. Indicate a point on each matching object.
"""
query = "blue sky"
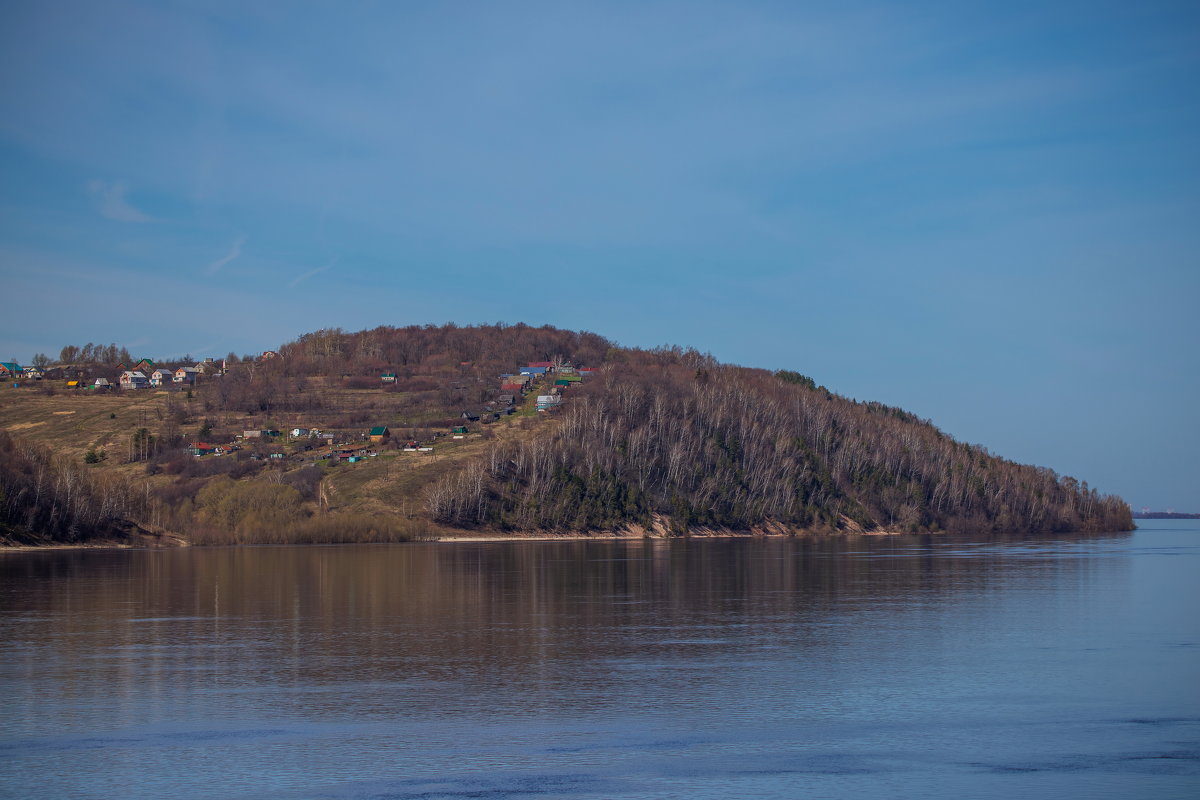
(986, 213)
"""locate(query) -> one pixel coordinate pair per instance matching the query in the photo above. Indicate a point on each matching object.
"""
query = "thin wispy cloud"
(301, 278)
(235, 250)
(111, 202)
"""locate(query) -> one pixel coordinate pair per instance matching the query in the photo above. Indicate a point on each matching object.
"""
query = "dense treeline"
(484, 350)
(440, 370)
(57, 498)
(100, 355)
(672, 434)
(89, 353)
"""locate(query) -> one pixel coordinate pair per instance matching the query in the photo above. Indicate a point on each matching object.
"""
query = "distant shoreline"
(1164, 515)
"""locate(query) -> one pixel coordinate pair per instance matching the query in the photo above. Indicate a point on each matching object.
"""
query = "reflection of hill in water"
(390, 612)
(832, 667)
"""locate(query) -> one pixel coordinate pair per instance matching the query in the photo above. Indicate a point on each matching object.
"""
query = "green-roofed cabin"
(380, 434)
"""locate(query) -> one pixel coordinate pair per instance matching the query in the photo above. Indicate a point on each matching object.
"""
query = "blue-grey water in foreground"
(842, 667)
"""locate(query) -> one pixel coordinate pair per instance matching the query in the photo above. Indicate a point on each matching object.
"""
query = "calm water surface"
(851, 667)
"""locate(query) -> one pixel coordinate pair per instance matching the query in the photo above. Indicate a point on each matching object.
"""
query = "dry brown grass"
(379, 499)
(71, 423)
(394, 483)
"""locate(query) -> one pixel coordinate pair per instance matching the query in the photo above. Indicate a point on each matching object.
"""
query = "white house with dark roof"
(132, 379)
(162, 377)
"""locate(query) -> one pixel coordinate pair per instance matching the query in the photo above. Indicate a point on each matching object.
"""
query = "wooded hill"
(675, 435)
(664, 439)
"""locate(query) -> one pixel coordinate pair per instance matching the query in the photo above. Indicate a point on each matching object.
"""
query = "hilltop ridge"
(394, 433)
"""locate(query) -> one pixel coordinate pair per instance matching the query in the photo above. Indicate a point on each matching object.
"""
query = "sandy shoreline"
(459, 538)
(569, 537)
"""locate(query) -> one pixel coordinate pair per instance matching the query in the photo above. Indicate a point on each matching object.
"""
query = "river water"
(932, 666)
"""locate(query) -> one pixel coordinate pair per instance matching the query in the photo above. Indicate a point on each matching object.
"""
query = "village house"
(548, 402)
(207, 369)
(161, 377)
(210, 366)
(388, 377)
(143, 366)
(102, 384)
(351, 454)
(380, 434)
(133, 379)
(10, 369)
(34, 373)
(300, 433)
(186, 376)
